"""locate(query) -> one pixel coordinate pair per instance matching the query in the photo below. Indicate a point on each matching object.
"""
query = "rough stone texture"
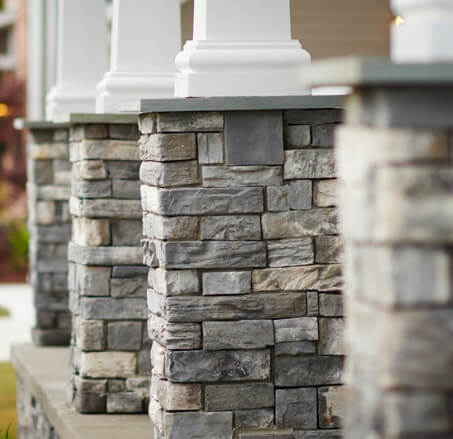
(331, 403)
(108, 284)
(240, 265)
(49, 187)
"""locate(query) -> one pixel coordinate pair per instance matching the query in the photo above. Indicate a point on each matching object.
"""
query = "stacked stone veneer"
(49, 187)
(107, 281)
(244, 286)
(394, 160)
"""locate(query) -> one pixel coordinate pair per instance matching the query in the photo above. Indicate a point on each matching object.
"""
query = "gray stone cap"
(46, 374)
(369, 71)
(78, 119)
(242, 103)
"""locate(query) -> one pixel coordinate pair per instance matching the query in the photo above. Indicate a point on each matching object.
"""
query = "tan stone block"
(45, 212)
(172, 396)
(325, 193)
(90, 232)
(108, 364)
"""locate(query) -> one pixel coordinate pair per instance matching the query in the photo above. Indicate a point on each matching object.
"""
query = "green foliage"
(3, 312)
(18, 242)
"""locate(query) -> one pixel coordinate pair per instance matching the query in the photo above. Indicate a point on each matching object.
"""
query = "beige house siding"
(329, 28)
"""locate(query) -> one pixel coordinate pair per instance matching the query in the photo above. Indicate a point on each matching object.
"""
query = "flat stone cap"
(240, 103)
(79, 119)
(369, 71)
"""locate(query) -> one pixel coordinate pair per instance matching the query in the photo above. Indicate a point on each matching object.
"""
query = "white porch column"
(81, 57)
(146, 37)
(427, 32)
(241, 48)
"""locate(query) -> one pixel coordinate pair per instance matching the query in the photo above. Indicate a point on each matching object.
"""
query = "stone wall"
(49, 187)
(107, 281)
(394, 160)
(244, 285)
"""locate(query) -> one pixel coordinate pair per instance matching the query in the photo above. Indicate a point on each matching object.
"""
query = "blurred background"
(326, 28)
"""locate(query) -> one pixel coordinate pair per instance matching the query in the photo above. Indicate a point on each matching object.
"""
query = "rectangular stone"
(108, 150)
(238, 396)
(323, 135)
(175, 336)
(210, 148)
(91, 189)
(90, 232)
(105, 308)
(230, 176)
(253, 306)
(62, 171)
(89, 170)
(41, 172)
(244, 334)
(123, 170)
(108, 208)
(90, 335)
(298, 329)
(212, 254)
(301, 223)
(92, 281)
(331, 336)
(295, 348)
(123, 131)
(169, 174)
(174, 283)
(132, 271)
(104, 255)
(303, 370)
(126, 232)
(309, 163)
(313, 277)
(196, 425)
(313, 117)
(128, 287)
(296, 408)
(168, 147)
(176, 397)
(290, 252)
(124, 402)
(52, 234)
(263, 418)
(325, 193)
(216, 366)
(202, 201)
(331, 305)
(244, 134)
(297, 136)
(124, 336)
(230, 228)
(300, 194)
(107, 364)
(189, 121)
(227, 283)
(50, 192)
(331, 404)
(277, 198)
(45, 213)
(46, 151)
(328, 249)
(318, 434)
(171, 228)
(126, 189)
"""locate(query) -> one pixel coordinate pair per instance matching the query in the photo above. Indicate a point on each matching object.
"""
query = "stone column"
(81, 57)
(146, 37)
(241, 49)
(426, 34)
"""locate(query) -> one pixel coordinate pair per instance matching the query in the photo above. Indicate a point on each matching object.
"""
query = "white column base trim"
(116, 88)
(241, 68)
(62, 102)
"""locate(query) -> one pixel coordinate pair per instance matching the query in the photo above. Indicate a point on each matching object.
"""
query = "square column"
(81, 57)
(241, 49)
(427, 32)
(136, 73)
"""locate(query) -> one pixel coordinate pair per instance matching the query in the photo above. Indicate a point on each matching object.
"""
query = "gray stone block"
(181, 228)
(212, 254)
(262, 418)
(293, 371)
(328, 249)
(295, 348)
(323, 135)
(168, 147)
(116, 386)
(127, 402)
(144, 366)
(113, 309)
(313, 117)
(125, 336)
(89, 170)
(90, 403)
(277, 198)
(194, 425)
(128, 287)
(298, 224)
(244, 134)
(230, 176)
(90, 335)
(50, 337)
(174, 283)
(175, 336)
(267, 434)
(230, 228)
(108, 150)
(202, 201)
(123, 170)
(168, 174)
(246, 334)
(297, 136)
(126, 189)
(98, 387)
(300, 195)
(210, 148)
(296, 408)
(227, 283)
(309, 163)
(104, 255)
(42, 172)
(92, 281)
(126, 232)
(319, 434)
(108, 208)
(89, 131)
(189, 121)
(312, 303)
(48, 151)
(174, 397)
(253, 306)
(298, 329)
(52, 234)
(331, 335)
(123, 131)
(128, 272)
(331, 305)
(238, 396)
(290, 252)
(216, 366)
(331, 401)
(91, 189)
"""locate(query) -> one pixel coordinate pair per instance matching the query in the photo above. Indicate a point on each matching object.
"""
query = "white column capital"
(146, 36)
(426, 35)
(241, 48)
(81, 57)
